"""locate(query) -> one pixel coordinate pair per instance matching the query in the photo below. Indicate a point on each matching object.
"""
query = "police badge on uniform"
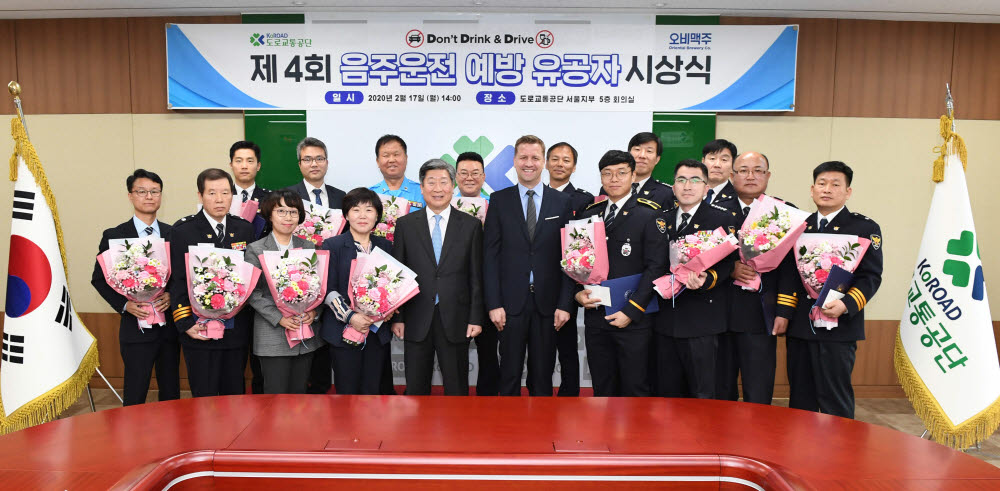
(876, 241)
(661, 225)
(626, 249)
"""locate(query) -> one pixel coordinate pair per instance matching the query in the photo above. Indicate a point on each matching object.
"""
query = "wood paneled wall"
(846, 67)
(890, 69)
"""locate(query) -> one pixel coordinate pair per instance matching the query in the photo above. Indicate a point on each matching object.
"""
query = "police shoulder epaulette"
(230, 215)
(717, 207)
(652, 204)
(601, 202)
(189, 217)
(265, 190)
(860, 215)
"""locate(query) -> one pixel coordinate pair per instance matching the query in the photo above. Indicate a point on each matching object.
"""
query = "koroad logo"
(256, 39)
(498, 164)
(960, 269)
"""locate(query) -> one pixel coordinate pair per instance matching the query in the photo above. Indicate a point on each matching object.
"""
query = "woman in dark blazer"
(356, 369)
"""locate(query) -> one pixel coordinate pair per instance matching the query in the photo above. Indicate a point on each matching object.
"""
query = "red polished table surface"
(400, 442)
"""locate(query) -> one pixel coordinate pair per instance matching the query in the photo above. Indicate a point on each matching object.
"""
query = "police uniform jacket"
(579, 199)
(657, 192)
(727, 198)
(636, 242)
(701, 312)
(867, 278)
(754, 311)
(192, 230)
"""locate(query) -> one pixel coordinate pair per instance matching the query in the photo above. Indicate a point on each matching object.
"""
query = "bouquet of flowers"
(767, 234)
(320, 224)
(378, 285)
(585, 251)
(138, 269)
(815, 256)
(473, 206)
(392, 208)
(693, 254)
(219, 283)
(297, 280)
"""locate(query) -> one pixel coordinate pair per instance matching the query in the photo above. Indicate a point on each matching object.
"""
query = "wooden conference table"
(436, 442)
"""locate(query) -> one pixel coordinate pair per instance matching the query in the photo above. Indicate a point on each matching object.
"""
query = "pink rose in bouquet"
(585, 251)
(219, 283)
(138, 269)
(378, 285)
(320, 223)
(815, 256)
(693, 254)
(297, 280)
(392, 208)
(767, 234)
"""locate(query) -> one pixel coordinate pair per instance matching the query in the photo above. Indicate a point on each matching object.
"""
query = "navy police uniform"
(636, 240)
(820, 361)
(747, 350)
(215, 367)
(687, 327)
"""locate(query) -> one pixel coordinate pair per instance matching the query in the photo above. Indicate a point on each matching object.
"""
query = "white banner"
(946, 333)
(495, 62)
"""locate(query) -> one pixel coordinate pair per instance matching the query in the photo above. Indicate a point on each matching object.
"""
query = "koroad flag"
(946, 357)
(48, 354)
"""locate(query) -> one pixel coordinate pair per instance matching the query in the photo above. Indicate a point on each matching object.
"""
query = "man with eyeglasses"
(688, 325)
(470, 178)
(618, 344)
(244, 161)
(313, 164)
(214, 366)
(390, 156)
(156, 347)
(747, 350)
(718, 155)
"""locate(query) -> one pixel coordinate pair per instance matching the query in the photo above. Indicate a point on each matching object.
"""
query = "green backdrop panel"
(683, 135)
(277, 133)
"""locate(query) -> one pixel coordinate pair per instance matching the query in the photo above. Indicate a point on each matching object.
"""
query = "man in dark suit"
(718, 156)
(142, 349)
(244, 161)
(646, 148)
(618, 344)
(688, 325)
(747, 350)
(820, 361)
(560, 161)
(470, 169)
(527, 294)
(313, 164)
(444, 248)
(215, 367)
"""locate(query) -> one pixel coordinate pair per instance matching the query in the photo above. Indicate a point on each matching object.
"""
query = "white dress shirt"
(312, 195)
(693, 210)
(829, 218)
(718, 189)
(444, 222)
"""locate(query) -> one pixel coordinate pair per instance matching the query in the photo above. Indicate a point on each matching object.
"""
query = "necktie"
(684, 221)
(247, 196)
(708, 198)
(436, 242)
(531, 217)
(609, 218)
(635, 187)
(317, 192)
(822, 224)
(746, 210)
(219, 229)
(148, 230)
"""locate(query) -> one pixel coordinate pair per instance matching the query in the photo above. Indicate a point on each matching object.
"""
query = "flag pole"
(15, 91)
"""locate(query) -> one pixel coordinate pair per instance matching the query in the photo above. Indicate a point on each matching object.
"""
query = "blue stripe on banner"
(188, 70)
(768, 85)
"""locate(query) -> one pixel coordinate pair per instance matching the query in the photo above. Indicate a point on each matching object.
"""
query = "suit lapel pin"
(208, 236)
(645, 192)
(625, 213)
(696, 225)
(836, 229)
(232, 234)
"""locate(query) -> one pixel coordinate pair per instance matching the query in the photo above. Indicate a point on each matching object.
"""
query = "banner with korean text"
(491, 62)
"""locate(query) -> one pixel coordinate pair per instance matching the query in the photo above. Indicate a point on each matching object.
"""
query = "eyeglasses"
(622, 174)
(466, 174)
(142, 193)
(309, 160)
(287, 213)
(757, 171)
(685, 180)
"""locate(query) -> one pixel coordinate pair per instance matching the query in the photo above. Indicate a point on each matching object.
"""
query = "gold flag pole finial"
(15, 90)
